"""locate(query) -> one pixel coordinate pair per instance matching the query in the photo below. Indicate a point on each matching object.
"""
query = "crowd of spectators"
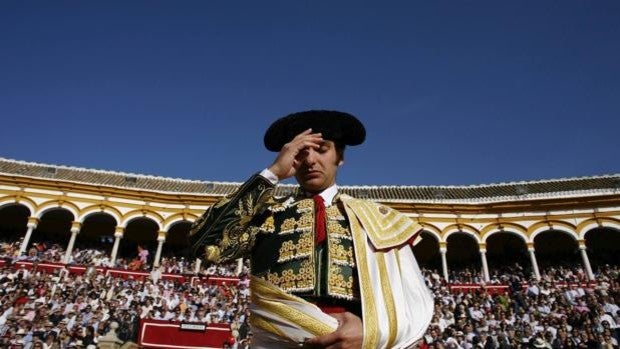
(503, 275)
(91, 256)
(558, 311)
(54, 252)
(63, 310)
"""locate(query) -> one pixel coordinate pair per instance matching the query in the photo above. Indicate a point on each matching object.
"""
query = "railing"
(219, 280)
(50, 267)
(501, 288)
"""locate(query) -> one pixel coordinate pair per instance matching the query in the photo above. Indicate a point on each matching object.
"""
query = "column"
(531, 250)
(161, 238)
(32, 225)
(239, 265)
(75, 229)
(118, 235)
(197, 265)
(485, 267)
(586, 260)
(444, 262)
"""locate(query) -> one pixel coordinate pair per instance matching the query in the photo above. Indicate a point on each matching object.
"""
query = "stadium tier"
(523, 264)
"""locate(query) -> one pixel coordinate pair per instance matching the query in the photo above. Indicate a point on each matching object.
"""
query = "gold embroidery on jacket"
(305, 205)
(288, 226)
(236, 239)
(337, 230)
(239, 235)
(290, 281)
(341, 255)
(306, 220)
(341, 266)
(304, 223)
(277, 208)
(339, 285)
(212, 253)
(302, 248)
(333, 213)
(245, 209)
(296, 269)
(268, 225)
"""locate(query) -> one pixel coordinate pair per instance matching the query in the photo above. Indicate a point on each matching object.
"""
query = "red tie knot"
(318, 199)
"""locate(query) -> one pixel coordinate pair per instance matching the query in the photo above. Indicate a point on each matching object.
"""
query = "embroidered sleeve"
(228, 229)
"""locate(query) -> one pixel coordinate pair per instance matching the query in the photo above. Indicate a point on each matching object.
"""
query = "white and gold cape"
(397, 307)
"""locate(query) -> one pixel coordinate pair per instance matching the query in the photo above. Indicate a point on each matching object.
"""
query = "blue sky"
(461, 92)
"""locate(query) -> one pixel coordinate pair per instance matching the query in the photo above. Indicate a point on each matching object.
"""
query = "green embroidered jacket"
(277, 234)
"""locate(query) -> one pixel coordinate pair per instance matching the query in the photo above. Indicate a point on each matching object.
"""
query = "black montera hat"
(334, 125)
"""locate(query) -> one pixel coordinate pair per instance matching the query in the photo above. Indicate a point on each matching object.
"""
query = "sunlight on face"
(317, 168)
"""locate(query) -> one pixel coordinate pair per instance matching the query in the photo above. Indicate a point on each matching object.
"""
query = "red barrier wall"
(497, 289)
(166, 334)
(50, 267)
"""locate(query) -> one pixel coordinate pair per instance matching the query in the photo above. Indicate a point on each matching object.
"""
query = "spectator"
(54, 310)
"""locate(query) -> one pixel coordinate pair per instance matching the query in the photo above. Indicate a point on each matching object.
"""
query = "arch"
(141, 232)
(55, 222)
(506, 249)
(144, 213)
(18, 200)
(431, 229)
(512, 228)
(512, 232)
(431, 234)
(584, 227)
(14, 219)
(544, 226)
(426, 251)
(57, 204)
(555, 247)
(178, 217)
(177, 243)
(178, 225)
(463, 251)
(94, 209)
(460, 228)
(603, 246)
